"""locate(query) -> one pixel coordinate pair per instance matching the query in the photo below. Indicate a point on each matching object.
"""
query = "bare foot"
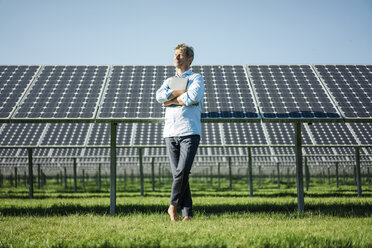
(172, 211)
(186, 218)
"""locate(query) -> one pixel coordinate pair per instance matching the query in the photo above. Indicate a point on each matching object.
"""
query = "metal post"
(368, 176)
(358, 175)
(30, 175)
(16, 176)
(288, 177)
(307, 175)
(125, 178)
(219, 174)
(259, 176)
(141, 170)
(337, 175)
(159, 177)
(113, 169)
(299, 172)
(250, 176)
(83, 178)
(211, 174)
(230, 174)
(329, 176)
(38, 176)
(344, 176)
(75, 176)
(278, 174)
(65, 170)
(99, 177)
(153, 174)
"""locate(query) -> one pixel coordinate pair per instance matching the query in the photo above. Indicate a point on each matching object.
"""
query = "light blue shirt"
(184, 120)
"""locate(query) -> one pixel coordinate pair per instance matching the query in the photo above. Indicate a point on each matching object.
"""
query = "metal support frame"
(99, 177)
(15, 177)
(307, 175)
(141, 170)
(278, 174)
(219, 174)
(153, 174)
(65, 171)
(113, 169)
(250, 176)
(75, 176)
(336, 174)
(30, 175)
(358, 175)
(38, 177)
(299, 172)
(230, 174)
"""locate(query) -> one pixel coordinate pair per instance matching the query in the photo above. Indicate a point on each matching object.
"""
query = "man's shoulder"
(194, 76)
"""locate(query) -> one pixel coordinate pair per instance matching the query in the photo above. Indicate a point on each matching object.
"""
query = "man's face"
(180, 59)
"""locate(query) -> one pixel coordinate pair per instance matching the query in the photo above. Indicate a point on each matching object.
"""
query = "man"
(182, 128)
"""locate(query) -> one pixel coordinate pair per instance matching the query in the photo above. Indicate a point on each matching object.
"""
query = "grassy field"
(59, 218)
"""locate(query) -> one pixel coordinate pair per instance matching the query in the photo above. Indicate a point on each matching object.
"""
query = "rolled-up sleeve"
(195, 92)
(163, 92)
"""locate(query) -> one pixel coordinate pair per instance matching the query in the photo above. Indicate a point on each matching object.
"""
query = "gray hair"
(187, 49)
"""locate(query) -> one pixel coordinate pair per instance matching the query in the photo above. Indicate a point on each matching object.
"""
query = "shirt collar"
(185, 74)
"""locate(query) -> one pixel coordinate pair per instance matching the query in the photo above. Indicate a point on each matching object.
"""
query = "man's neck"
(181, 71)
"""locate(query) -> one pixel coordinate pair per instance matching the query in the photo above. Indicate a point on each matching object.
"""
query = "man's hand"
(176, 101)
(176, 93)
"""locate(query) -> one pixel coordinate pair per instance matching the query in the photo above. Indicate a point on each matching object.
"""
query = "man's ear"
(190, 60)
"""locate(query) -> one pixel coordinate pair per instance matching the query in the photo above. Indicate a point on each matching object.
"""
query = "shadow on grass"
(338, 209)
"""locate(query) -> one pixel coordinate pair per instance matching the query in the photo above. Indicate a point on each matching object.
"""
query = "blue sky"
(221, 32)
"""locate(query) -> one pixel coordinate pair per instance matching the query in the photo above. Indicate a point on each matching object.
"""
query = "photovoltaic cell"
(290, 92)
(351, 87)
(64, 92)
(14, 81)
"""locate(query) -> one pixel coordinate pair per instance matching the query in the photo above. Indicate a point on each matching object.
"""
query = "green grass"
(223, 218)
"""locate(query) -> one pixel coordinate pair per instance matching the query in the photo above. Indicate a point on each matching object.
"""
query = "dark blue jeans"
(181, 152)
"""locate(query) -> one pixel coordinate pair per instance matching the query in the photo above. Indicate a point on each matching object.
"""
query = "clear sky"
(221, 32)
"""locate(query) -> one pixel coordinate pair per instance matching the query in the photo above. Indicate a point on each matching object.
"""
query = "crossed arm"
(174, 98)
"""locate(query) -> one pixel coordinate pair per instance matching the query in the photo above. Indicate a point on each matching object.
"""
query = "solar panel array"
(125, 93)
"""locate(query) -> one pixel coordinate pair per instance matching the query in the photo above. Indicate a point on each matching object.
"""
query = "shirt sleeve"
(163, 92)
(195, 92)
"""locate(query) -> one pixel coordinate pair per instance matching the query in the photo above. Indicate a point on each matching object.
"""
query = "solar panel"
(363, 132)
(21, 134)
(148, 134)
(211, 134)
(283, 134)
(244, 133)
(227, 92)
(14, 81)
(65, 134)
(290, 92)
(64, 92)
(130, 92)
(331, 133)
(351, 87)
